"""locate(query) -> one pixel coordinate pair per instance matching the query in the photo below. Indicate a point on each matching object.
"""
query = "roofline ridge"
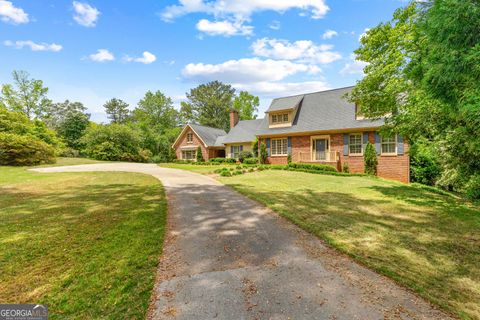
(308, 93)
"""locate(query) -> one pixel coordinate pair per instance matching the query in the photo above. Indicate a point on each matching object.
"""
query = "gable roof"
(211, 137)
(244, 131)
(286, 103)
(208, 135)
(321, 111)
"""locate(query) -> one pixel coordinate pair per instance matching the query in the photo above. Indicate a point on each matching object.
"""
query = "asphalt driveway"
(228, 257)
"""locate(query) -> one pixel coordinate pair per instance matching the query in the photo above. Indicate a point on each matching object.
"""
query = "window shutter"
(241, 148)
(231, 151)
(400, 145)
(267, 143)
(289, 145)
(377, 142)
(365, 141)
(345, 144)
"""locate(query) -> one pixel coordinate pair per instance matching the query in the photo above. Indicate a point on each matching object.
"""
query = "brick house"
(320, 127)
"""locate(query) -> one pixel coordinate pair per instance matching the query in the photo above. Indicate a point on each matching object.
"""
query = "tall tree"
(73, 127)
(156, 111)
(117, 110)
(209, 104)
(57, 112)
(246, 105)
(26, 95)
(424, 71)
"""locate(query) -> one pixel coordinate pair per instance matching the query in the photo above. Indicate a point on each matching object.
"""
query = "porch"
(319, 157)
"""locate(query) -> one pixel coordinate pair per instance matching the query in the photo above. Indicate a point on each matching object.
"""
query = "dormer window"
(280, 118)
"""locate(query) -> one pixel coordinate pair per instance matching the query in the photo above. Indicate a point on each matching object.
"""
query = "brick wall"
(389, 167)
(195, 142)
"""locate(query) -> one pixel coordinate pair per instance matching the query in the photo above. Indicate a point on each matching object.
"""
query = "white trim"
(361, 145)
(389, 153)
(183, 132)
(312, 138)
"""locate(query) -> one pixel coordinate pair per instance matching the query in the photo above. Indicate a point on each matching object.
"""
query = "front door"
(320, 149)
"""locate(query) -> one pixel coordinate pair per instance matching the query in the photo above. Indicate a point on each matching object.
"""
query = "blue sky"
(91, 51)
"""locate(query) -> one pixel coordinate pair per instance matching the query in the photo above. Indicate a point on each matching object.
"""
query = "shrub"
(314, 167)
(250, 160)
(225, 174)
(289, 158)
(255, 148)
(244, 154)
(346, 168)
(263, 153)
(145, 155)
(26, 150)
(424, 167)
(70, 153)
(370, 159)
(472, 187)
(112, 142)
(222, 160)
(200, 155)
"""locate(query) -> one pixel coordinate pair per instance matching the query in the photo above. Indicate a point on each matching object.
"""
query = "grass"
(202, 169)
(425, 240)
(85, 244)
(71, 162)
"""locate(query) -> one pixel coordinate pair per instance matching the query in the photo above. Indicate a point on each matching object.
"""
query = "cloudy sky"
(91, 51)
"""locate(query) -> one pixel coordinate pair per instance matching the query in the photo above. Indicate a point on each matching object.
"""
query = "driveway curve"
(228, 257)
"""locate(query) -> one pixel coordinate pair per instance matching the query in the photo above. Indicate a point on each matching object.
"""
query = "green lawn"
(424, 240)
(85, 244)
(194, 168)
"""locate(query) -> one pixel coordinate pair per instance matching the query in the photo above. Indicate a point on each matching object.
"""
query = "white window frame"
(350, 144)
(280, 118)
(192, 152)
(382, 143)
(281, 147)
(189, 137)
(236, 151)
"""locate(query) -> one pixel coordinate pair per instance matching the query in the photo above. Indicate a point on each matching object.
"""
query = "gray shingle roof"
(209, 135)
(244, 131)
(285, 103)
(319, 111)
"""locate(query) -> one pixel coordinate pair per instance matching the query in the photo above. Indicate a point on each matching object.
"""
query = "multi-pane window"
(355, 143)
(236, 151)
(188, 154)
(278, 118)
(389, 145)
(279, 147)
(189, 137)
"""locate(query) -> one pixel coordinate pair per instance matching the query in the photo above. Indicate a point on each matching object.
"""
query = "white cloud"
(86, 15)
(243, 9)
(11, 14)
(249, 70)
(329, 34)
(302, 50)
(224, 28)
(33, 46)
(276, 89)
(275, 25)
(353, 67)
(146, 58)
(102, 55)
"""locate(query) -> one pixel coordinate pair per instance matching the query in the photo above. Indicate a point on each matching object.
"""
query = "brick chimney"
(233, 118)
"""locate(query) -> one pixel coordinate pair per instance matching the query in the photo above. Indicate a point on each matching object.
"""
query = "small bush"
(289, 158)
(16, 150)
(255, 148)
(277, 167)
(346, 168)
(370, 159)
(225, 174)
(69, 153)
(250, 160)
(145, 155)
(222, 160)
(244, 154)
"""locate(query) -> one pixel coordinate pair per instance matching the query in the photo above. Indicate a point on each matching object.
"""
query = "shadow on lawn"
(430, 242)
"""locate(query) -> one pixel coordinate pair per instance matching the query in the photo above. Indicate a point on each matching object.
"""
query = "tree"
(57, 112)
(209, 104)
(263, 153)
(423, 71)
(255, 147)
(26, 95)
(117, 110)
(246, 105)
(156, 111)
(73, 127)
